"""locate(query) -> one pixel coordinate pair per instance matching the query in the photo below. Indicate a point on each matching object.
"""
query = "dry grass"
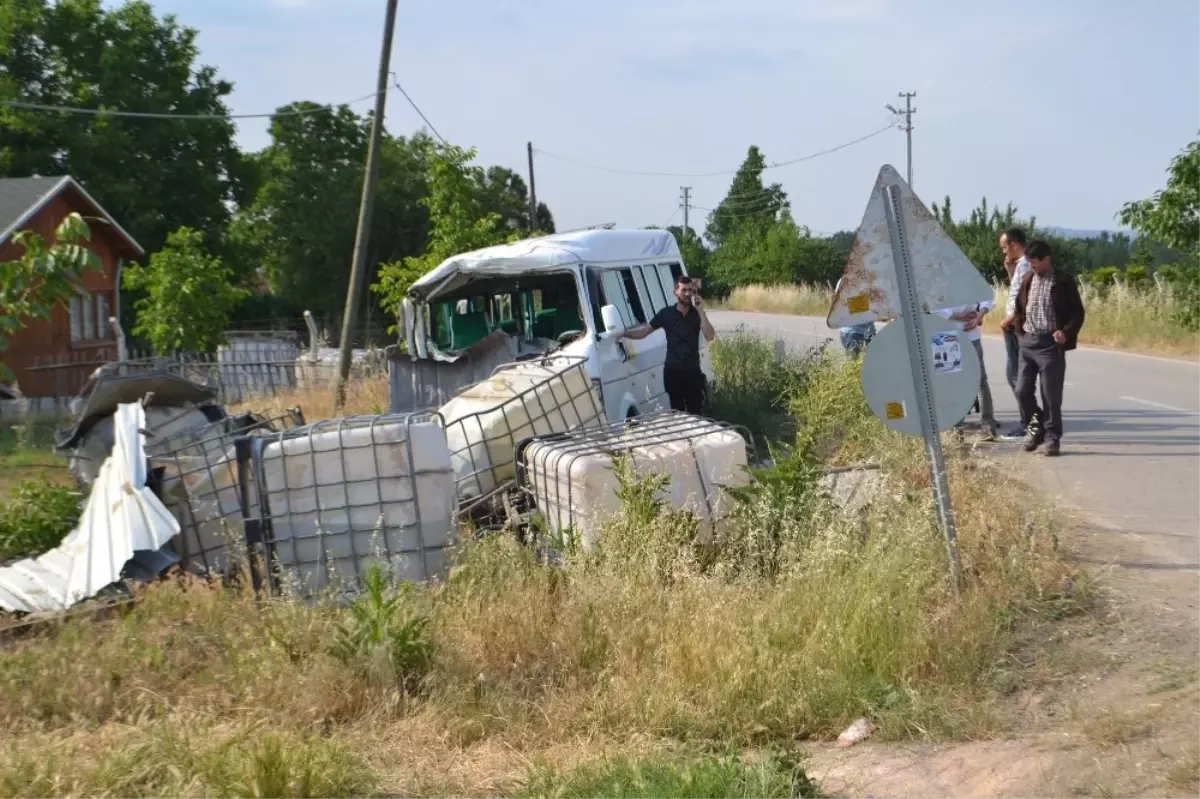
(800, 300)
(648, 647)
(364, 396)
(1121, 317)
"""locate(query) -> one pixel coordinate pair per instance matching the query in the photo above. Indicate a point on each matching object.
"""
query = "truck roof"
(548, 252)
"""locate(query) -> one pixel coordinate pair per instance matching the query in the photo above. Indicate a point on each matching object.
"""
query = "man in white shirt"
(969, 319)
(1012, 242)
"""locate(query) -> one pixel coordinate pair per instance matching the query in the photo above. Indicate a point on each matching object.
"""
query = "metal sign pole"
(910, 312)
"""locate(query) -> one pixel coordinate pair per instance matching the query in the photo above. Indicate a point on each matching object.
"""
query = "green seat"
(567, 318)
(544, 324)
(466, 329)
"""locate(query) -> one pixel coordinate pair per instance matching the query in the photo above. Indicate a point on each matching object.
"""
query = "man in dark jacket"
(1049, 315)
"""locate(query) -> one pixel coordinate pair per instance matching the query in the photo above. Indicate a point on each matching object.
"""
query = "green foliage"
(1172, 215)
(749, 204)
(460, 220)
(695, 255)
(152, 175)
(777, 775)
(189, 295)
(43, 276)
(384, 636)
(36, 517)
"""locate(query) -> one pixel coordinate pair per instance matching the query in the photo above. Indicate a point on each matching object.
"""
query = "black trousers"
(1041, 357)
(685, 389)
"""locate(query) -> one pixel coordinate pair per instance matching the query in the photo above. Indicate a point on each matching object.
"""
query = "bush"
(36, 518)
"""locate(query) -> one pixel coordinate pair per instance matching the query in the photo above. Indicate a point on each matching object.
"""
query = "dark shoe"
(1034, 438)
(1014, 433)
(1052, 448)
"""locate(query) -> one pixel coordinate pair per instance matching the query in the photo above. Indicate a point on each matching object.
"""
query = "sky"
(1066, 108)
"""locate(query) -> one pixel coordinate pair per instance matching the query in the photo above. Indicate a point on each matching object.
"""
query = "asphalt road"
(1131, 444)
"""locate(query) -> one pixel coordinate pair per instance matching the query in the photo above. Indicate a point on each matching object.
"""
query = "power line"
(670, 218)
(69, 109)
(775, 165)
(396, 83)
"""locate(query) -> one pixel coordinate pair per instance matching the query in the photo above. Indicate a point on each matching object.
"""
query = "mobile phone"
(696, 290)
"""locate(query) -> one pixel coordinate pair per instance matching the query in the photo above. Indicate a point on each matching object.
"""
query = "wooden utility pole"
(358, 268)
(532, 192)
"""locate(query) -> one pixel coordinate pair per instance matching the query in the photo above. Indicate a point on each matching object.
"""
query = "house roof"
(22, 198)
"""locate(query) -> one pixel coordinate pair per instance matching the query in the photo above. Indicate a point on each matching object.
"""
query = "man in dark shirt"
(1049, 314)
(683, 323)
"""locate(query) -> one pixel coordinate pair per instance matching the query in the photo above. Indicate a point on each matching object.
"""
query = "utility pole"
(532, 192)
(686, 204)
(358, 268)
(908, 126)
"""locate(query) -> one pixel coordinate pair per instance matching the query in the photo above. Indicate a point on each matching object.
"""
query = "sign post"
(910, 316)
(904, 267)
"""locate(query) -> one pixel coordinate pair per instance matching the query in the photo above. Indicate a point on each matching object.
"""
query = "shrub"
(36, 518)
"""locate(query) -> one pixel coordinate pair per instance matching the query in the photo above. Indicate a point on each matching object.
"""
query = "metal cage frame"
(260, 520)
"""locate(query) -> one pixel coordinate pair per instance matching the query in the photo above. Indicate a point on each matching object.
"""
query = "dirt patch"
(1107, 704)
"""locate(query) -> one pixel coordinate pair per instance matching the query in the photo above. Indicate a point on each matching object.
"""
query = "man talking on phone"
(684, 322)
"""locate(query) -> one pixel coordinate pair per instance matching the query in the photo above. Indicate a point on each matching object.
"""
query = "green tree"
(748, 204)
(296, 236)
(1172, 215)
(460, 221)
(508, 196)
(153, 175)
(42, 277)
(189, 295)
(691, 248)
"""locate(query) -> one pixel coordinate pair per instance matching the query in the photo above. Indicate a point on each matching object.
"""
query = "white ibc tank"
(485, 422)
(573, 483)
(340, 493)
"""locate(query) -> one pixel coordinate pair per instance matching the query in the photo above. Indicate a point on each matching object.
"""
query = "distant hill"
(1082, 233)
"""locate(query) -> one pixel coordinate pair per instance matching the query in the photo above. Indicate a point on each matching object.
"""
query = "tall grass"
(1121, 316)
(514, 677)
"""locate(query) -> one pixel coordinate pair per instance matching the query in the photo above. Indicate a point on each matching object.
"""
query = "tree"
(42, 277)
(296, 236)
(460, 221)
(1172, 215)
(152, 174)
(695, 255)
(748, 204)
(189, 295)
(508, 196)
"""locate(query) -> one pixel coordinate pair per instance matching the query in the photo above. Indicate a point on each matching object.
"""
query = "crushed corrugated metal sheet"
(122, 517)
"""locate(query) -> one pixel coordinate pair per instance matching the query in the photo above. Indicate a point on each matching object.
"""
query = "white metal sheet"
(122, 516)
(887, 380)
(943, 274)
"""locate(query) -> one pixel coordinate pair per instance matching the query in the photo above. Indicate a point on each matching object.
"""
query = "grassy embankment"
(651, 667)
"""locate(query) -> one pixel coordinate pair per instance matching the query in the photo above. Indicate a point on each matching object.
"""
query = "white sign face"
(887, 380)
(943, 275)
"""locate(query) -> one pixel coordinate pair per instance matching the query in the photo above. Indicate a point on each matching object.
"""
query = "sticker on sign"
(943, 275)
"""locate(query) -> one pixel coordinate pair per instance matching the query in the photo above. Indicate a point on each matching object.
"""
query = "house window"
(76, 313)
(103, 330)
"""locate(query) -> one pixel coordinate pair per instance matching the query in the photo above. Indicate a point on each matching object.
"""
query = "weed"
(676, 777)
(36, 518)
(382, 636)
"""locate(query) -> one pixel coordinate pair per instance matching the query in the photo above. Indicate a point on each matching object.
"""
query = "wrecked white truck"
(567, 294)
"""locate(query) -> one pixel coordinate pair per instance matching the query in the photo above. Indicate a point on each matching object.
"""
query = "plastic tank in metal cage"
(570, 478)
(326, 499)
(199, 484)
(485, 421)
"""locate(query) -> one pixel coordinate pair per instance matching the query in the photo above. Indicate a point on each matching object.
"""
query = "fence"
(250, 368)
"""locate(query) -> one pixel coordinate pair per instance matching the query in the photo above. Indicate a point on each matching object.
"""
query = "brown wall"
(49, 341)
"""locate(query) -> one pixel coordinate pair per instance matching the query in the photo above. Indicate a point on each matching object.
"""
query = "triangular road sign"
(944, 276)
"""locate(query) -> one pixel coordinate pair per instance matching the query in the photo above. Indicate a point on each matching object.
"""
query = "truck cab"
(568, 294)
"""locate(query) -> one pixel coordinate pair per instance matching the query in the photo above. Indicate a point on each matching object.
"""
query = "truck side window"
(667, 281)
(631, 296)
(614, 294)
(649, 274)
